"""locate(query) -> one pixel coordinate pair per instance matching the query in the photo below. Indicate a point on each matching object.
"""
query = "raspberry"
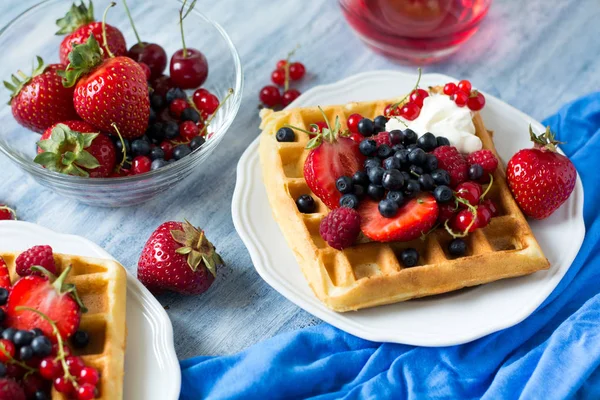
(382, 138)
(452, 161)
(340, 227)
(37, 255)
(486, 159)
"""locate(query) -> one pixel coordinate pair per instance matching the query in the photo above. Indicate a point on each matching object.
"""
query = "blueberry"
(396, 136)
(22, 338)
(157, 153)
(368, 147)
(40, 395)
(41, 346)
(26, 353)
(397, 147)
(189, 114)
(2, 315)
(171, 130)
(372, 163)
(360, 178)
(349, 201)
(306, 204)
(375, 192)
(475, 172)
(37, 332)
(175, 93)
(157, 102)
(443, 194)
(442, 141)
(409, 257)
(181, 151)
(9, 333)
(388, 208)
(152, 116)
(457, 247)
(410, 137)
(380, 122)
(441, 177)
(140, 147)
(375, 175)
(411, 147)
(146, 139)
(427, 142)
(406, 176)
(285, 135)
(431, 163)
(155, 131)
(412, 188)
(384, 151)
(392, 180)
(426, 182)
(119, 146)
(158, 164)
(392, 163)
(359, 191)
(398, 197)
(366, 127)
(197, 142)
(402, 156)
(3, 296)
(344, 184)
(2, 370)
(417, 157)
(416, 170)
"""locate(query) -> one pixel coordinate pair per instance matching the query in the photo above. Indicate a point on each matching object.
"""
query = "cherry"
(353, 121)
(447, 211)
(62, 385)
(50, 368)
(289, 96)
(177, 106)
(319, 127)
(6, 213)
(151, 54)
(417, 96)
(89, 375)
(188, 130)
(484, 215)
(410, 111)
(140, 165)
(450, 88)
(297, 71)
(462, 220)
(278, 77)
(75, 363)
(469, 191)
(146, 70)
(460, 98)
(167, 147)
(490, 205)
(189, 68)
(86, 392)
(270, 96)
(207, 102)
(8, 350)
(476, 102)
(281, 64)
(464, 86)
(162, 84)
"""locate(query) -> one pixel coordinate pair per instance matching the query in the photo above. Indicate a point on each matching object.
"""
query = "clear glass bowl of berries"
(122, 103)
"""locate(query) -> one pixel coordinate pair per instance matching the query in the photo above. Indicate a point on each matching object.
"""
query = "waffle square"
(102, 286)
(369, 274)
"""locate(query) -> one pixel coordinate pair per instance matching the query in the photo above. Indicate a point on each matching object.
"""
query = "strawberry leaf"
(47, 160)
(197, 248)
(86, 160)
(17, 85)
(77, 16)
(82, 60)
(314, 142)
(68, 158)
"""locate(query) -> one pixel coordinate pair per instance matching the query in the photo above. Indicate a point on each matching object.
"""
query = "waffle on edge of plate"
(370, 274)
(102, 286)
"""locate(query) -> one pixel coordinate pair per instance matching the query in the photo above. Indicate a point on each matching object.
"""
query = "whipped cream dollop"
(442, 117)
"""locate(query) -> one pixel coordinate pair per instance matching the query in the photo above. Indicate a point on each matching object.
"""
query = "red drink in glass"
(418, 31)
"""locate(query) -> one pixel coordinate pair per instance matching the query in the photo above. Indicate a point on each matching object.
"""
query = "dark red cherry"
(150, 54)
(189, 72)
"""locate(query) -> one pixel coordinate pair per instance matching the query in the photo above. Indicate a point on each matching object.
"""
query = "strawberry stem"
(137, 36)
(110, 54)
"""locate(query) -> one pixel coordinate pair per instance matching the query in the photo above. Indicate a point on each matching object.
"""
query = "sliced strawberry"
(4, 276)
(326, 163)
(52, 297)
(382, 138)
(415, 218)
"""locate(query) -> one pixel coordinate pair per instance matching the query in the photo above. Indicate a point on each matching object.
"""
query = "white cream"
(442, 117)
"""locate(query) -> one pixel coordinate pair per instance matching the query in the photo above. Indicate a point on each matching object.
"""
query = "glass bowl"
(157, 21)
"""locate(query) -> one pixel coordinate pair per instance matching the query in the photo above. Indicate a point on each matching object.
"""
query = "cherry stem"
(395, 105)
(132, 23)
(110, 54)
(10, 210)
(124, 151)
(181, 18)
(487, 189)
(229, 94)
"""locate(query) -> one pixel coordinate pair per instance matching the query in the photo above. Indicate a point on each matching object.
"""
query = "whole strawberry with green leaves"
(178, 257)
(540, 178)
(108, 91)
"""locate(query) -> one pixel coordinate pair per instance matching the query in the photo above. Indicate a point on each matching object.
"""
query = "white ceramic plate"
(151, 368)
(444, 320)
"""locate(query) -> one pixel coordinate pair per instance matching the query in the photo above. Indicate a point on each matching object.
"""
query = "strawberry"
(76, 148)
(331, 157)
(79, 23)
(10, 390)
(540, 179)
(51, 296)
(178, 257)
(4, 275)
(415, 218)
(110, 94)
(40, 100)
(453, 162)
(37, 255)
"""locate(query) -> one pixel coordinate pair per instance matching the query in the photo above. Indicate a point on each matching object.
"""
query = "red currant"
(460, 98)
(410, 111)
(297, 71)
(6, 213)
(188, 72)
(319, 127)
(417, 96)
(63, 385)
(391, 111)
(188, 130)
(447, 211)
(8, 347)
(476, 102)
(140, 165)
(353, 121)
(167, 147)
(281, 64)
(464, 86)
(86, 392)
(484, 215)
(278, 77)
(66, 350)
(450, 88)
(75, 363)
(469, 191)
(50, 368)
(270, 96)
(177, 106)
(208, 103)
(289, 96)
(89, 375)
(146, 70)
(490, 206)
(462, 220)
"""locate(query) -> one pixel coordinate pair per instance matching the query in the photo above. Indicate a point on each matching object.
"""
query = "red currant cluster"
(463, 95)
(285, 71)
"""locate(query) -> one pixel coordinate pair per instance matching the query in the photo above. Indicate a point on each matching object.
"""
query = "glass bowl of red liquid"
(416, 31)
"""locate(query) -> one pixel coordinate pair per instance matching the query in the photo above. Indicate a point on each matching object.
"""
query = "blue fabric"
(553, 354)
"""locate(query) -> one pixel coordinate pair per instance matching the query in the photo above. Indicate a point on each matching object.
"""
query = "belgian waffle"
(101, 284)
(369, 274)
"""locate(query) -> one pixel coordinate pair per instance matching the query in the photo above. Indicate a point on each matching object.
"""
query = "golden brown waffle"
(370, 274)
(102, 286)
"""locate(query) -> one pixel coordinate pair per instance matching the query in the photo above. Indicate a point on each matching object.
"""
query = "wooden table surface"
(535, 55)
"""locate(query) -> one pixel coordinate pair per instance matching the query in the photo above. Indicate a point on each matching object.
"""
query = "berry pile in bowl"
(108, 106)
